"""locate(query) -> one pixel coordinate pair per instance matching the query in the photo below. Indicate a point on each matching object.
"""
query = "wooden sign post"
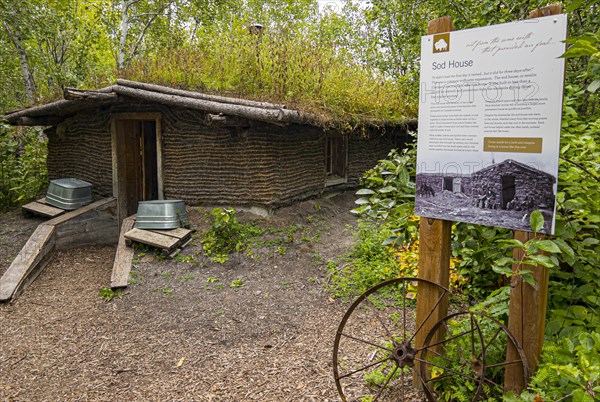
(527, 310)
(434, 251)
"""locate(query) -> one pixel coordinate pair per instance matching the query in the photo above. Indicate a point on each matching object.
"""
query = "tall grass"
(301, 67)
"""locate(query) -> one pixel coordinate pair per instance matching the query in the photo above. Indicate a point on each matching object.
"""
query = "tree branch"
(580, 166)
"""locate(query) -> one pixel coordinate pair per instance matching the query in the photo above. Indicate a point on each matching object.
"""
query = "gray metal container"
(161, 214)
(69, 193)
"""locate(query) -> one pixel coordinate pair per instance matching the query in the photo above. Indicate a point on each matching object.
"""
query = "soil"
(259, 327)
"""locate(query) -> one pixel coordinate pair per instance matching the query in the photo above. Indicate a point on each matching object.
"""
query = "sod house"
(138, 141)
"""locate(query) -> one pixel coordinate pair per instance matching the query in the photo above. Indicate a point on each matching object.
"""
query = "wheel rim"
(374, 354)
(470, 360)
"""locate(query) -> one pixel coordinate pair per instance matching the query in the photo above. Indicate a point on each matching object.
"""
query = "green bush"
(23, 173)
(227, 235)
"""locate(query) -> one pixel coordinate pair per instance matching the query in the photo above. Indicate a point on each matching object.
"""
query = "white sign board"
(489, 123)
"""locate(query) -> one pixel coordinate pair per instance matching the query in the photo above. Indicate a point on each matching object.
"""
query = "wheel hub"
(404, 355)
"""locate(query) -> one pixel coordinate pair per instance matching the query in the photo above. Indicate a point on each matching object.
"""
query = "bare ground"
(181, 332)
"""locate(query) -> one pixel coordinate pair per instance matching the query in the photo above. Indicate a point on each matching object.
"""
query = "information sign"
(489, 123)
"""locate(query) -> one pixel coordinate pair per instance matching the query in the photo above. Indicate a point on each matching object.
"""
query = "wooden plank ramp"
(92, 224)
(29, 262)
(123, 257)
(40, 208)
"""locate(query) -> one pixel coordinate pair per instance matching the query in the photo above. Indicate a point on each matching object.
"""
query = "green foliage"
(164, 290)
(300, 63)
(236, 283)
(570, 368)
(370, 262)
(476, 250)
(389, 189)
(227, 235)
(107, 294)
(23, 173)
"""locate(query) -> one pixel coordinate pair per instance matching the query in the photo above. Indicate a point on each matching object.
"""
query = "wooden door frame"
(156, 117)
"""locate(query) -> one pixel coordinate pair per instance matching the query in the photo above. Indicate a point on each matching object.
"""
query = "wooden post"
(527, 310)
(434, 251)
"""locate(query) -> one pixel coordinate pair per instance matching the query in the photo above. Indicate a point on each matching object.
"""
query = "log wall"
(254, 164)
(81, 147)
(366, 149)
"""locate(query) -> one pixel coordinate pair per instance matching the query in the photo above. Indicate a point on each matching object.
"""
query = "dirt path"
(182, 332)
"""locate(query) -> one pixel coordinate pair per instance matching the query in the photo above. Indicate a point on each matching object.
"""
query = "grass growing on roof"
(301, 67)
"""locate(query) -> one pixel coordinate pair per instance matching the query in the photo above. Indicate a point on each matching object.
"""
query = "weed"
(312, 279)
(107, 294)
(134, 277)
(281, 250)
(212, 279)
(142, 248)
(187, 277)
(236, 283)
(164, 290)
(167, 275)
(185, 258)
(227, 235)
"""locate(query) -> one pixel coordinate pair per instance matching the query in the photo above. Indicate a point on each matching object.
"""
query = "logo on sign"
(441, 43)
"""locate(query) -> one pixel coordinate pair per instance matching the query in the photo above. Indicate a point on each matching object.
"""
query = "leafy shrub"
(227, 235)
(23, 173)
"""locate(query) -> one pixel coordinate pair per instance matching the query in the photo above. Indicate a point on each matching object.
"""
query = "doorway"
(508, 189)
(448, 183)
(136, 162)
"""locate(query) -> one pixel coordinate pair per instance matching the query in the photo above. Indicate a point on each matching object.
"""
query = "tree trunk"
(124, 29)
(27, 76)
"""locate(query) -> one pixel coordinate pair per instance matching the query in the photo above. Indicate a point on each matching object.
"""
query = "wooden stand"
(166, 240)
(434, 252)
(40, 208)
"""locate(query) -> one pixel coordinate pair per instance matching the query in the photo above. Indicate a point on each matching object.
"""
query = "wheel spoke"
(492, 382)
(386, 383)
(378, 315)
(442, 377)
(487, 345)
(364, 368)
(473, 338)
(445, 340)
(437, 303)
(404, 309)
(503, 364)
(364, 341)
(441, 355)
(448, 370)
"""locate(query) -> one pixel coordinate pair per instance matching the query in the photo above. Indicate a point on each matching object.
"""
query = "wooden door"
(137, 178)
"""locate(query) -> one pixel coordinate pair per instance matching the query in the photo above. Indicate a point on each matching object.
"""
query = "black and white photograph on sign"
(503, 194)
(489, 123)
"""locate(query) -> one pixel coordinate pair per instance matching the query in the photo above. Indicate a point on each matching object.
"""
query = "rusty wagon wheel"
(467, 360)
(374, 353)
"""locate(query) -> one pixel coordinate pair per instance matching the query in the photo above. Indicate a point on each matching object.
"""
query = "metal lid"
(71, 183)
